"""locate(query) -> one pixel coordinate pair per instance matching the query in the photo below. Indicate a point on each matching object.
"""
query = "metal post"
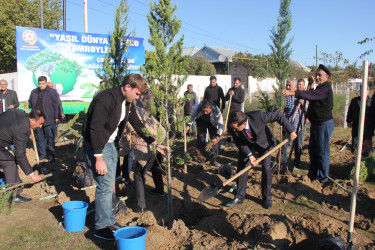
(41, 14)
(85, 15)
(64, 9)
(359, 151)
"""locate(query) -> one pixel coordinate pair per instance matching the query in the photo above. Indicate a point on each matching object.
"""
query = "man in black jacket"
(320, 115)
(352, 117)
(8, 97)
(105, 119)
(251, 134)
(15, 127)
(47, 101)
(238, 95)
(214, 93)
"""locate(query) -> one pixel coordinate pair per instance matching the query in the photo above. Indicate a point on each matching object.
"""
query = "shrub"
(367, 171)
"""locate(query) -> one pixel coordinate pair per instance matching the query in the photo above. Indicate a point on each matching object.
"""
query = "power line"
(206, 33)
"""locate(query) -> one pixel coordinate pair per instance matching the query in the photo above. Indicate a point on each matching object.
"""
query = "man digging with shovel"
(251, 134)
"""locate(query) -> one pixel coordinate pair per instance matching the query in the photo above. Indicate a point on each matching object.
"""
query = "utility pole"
(41, 14)
(85, 15)
(64, 9)
(316, 56)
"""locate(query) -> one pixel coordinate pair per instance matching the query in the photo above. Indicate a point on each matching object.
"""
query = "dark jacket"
(10, 99)
(103, 117)
(263, 138)
(15, 130)
(188, 107)
(51, 104)
(237, 99)
(354, 109)
(215, 94)
(321, 102)
(370, 122)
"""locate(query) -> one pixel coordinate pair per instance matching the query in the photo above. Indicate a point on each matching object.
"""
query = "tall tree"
(115, 64)
(165, 71)
(24, 13)
(281, 50)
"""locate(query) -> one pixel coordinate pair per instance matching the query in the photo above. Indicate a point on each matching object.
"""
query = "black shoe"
(267, 203)
(19, 199)
(115, 226)
(155, 192)
(51, 159)
(128, 181)
(44, 170)
(104, 233)
(234, 202)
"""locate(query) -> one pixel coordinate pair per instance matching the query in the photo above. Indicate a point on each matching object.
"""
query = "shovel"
(213, 190)
(26, 107)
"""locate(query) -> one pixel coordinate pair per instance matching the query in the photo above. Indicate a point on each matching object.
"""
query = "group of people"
(15, 125)
(252, 135)
(114, 114)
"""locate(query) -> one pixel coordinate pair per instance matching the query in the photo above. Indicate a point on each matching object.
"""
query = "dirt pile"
(303, 212)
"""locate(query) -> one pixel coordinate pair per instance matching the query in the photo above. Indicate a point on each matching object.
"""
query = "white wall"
(200, 83)
(265, 84)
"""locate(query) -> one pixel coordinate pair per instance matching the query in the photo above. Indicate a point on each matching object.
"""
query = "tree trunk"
(169, 176)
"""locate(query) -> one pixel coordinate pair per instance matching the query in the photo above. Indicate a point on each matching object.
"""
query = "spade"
(213, 190)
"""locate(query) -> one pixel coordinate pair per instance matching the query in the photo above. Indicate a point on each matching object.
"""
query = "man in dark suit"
(15, 127)
(108, 113)
(47, 101)
(8, 97)
(251, 134)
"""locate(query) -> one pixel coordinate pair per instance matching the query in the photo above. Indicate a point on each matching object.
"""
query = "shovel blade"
(208, 192)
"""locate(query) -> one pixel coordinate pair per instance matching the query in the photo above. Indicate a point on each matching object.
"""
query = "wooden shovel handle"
(226, 121)
(257, 161)
(26, 107)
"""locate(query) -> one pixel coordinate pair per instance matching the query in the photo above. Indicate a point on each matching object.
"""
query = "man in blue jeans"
(108, 112)
(47, 101)
(319, 114)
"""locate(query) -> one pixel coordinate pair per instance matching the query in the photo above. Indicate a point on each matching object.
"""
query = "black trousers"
(201, 136)
(11, 173)
(266, 177)
(139, 178)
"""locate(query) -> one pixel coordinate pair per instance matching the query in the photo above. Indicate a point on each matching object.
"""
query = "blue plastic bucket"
(131, 238)
(74, 215)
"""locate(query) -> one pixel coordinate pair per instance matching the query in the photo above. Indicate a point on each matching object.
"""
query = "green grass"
(34, 238)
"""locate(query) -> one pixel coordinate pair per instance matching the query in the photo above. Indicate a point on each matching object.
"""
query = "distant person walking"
(214, 93)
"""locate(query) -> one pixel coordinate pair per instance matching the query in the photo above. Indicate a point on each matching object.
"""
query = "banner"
(68, 59)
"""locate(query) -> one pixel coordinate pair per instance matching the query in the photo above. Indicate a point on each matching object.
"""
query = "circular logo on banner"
(29, 37)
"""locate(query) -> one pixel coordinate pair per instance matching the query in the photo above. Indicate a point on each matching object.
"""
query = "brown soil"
(303, 212)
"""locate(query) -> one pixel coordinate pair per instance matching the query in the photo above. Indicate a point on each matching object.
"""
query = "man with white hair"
(320, 116)
(8, 97)
(291, 104)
